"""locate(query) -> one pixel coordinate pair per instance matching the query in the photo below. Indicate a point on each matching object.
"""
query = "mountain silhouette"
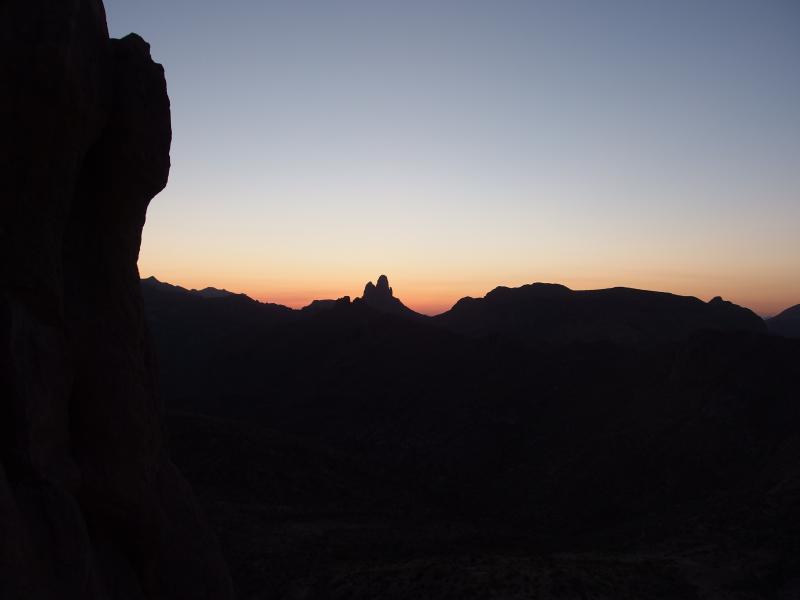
(380, 297)
(213, 316)
(317, 306)
(158, 442)
(537, 313)
(405, 450)
(208, 292)
(786, 323)
(543, 312)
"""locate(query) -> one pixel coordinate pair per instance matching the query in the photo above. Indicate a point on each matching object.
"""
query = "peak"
(381, 297)
(381, 289)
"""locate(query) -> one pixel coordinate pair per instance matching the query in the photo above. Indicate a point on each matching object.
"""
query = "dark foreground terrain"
(536, 443)
(91, 504)
(359, 450)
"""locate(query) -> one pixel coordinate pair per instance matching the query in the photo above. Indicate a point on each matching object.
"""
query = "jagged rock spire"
(381, 297)
(381, 290)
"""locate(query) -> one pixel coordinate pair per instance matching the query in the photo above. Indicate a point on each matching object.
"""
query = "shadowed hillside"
(350, 452)
(786, 323)
(553, 313)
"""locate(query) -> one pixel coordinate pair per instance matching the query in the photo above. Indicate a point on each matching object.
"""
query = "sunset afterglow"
(460, 146)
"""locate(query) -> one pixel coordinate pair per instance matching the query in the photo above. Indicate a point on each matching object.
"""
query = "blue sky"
(461, 145)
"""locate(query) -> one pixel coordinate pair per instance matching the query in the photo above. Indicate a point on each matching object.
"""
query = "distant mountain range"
(554, 313)
(657, 433)
(153, 284)
(535, 313)
(214, 339)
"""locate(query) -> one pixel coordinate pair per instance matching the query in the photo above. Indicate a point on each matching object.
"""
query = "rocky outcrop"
(381, 298)
(379, 291)
(90, 504)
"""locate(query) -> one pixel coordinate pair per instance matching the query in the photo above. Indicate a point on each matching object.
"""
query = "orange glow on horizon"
(432, 299)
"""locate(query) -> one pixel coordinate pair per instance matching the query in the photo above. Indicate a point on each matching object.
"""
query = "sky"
(458, 145)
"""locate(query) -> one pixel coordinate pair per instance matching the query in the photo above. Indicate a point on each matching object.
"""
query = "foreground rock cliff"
(91, 506)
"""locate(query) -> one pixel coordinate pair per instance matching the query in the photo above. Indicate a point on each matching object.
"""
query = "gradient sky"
(459, 145)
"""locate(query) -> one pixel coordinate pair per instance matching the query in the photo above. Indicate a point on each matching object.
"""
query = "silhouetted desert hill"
(154, 285)
(553, 313)
(211, 292)
(392, 457)
(380, 297)
(786, 323)
(209, 321)
(321, 305)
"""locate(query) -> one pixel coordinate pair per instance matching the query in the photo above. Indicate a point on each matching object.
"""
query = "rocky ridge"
(91, 506)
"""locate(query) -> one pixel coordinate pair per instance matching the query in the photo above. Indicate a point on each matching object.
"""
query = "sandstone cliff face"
(90, 504)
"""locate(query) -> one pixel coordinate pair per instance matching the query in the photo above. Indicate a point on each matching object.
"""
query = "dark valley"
(603, 444)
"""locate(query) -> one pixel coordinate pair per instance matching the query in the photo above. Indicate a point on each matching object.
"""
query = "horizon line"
(427, 312)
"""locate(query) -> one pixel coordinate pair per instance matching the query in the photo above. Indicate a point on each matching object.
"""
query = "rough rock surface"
(90, 504)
